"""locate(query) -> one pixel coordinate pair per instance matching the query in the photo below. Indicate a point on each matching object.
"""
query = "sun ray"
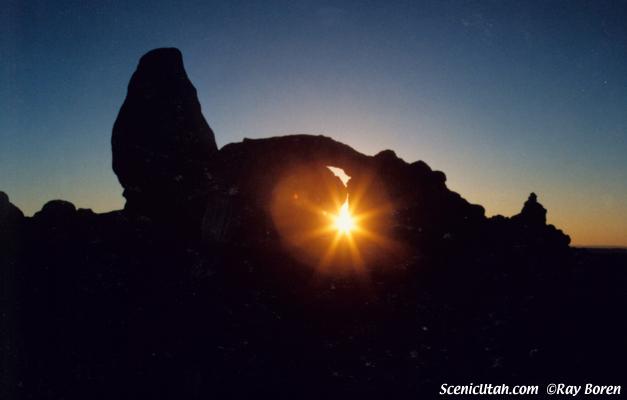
(314, 235)
(357, 260)
(336, 235)
(380, 240)
(330, 252)
(371, 213)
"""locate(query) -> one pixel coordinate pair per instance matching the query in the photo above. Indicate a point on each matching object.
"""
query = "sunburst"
(339, 235)
(344, 221)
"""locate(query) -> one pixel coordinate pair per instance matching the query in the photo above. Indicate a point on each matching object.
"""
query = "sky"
(505, 97)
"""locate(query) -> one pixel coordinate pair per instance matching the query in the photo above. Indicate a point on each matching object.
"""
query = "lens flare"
(323, 225)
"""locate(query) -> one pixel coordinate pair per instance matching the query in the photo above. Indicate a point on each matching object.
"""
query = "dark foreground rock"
(110, 306)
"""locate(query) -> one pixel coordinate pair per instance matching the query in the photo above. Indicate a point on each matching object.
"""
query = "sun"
(333, 230)
(344, 221)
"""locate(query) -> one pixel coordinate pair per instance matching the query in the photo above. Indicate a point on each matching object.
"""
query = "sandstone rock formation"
(533, 213)
(10, 215)
(161, 143)
(412, 201)
(56, 211)
(530, 226)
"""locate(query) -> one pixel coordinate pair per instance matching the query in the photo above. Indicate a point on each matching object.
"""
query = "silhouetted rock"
(57, 211)
(533, 229)
(533, 213)
(11, 242)
(161, 142)
(411, 201)
(10, 215)
(262, 185)
(11, 230)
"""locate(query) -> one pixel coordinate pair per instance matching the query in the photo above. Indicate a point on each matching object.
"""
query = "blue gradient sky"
(504, 97)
